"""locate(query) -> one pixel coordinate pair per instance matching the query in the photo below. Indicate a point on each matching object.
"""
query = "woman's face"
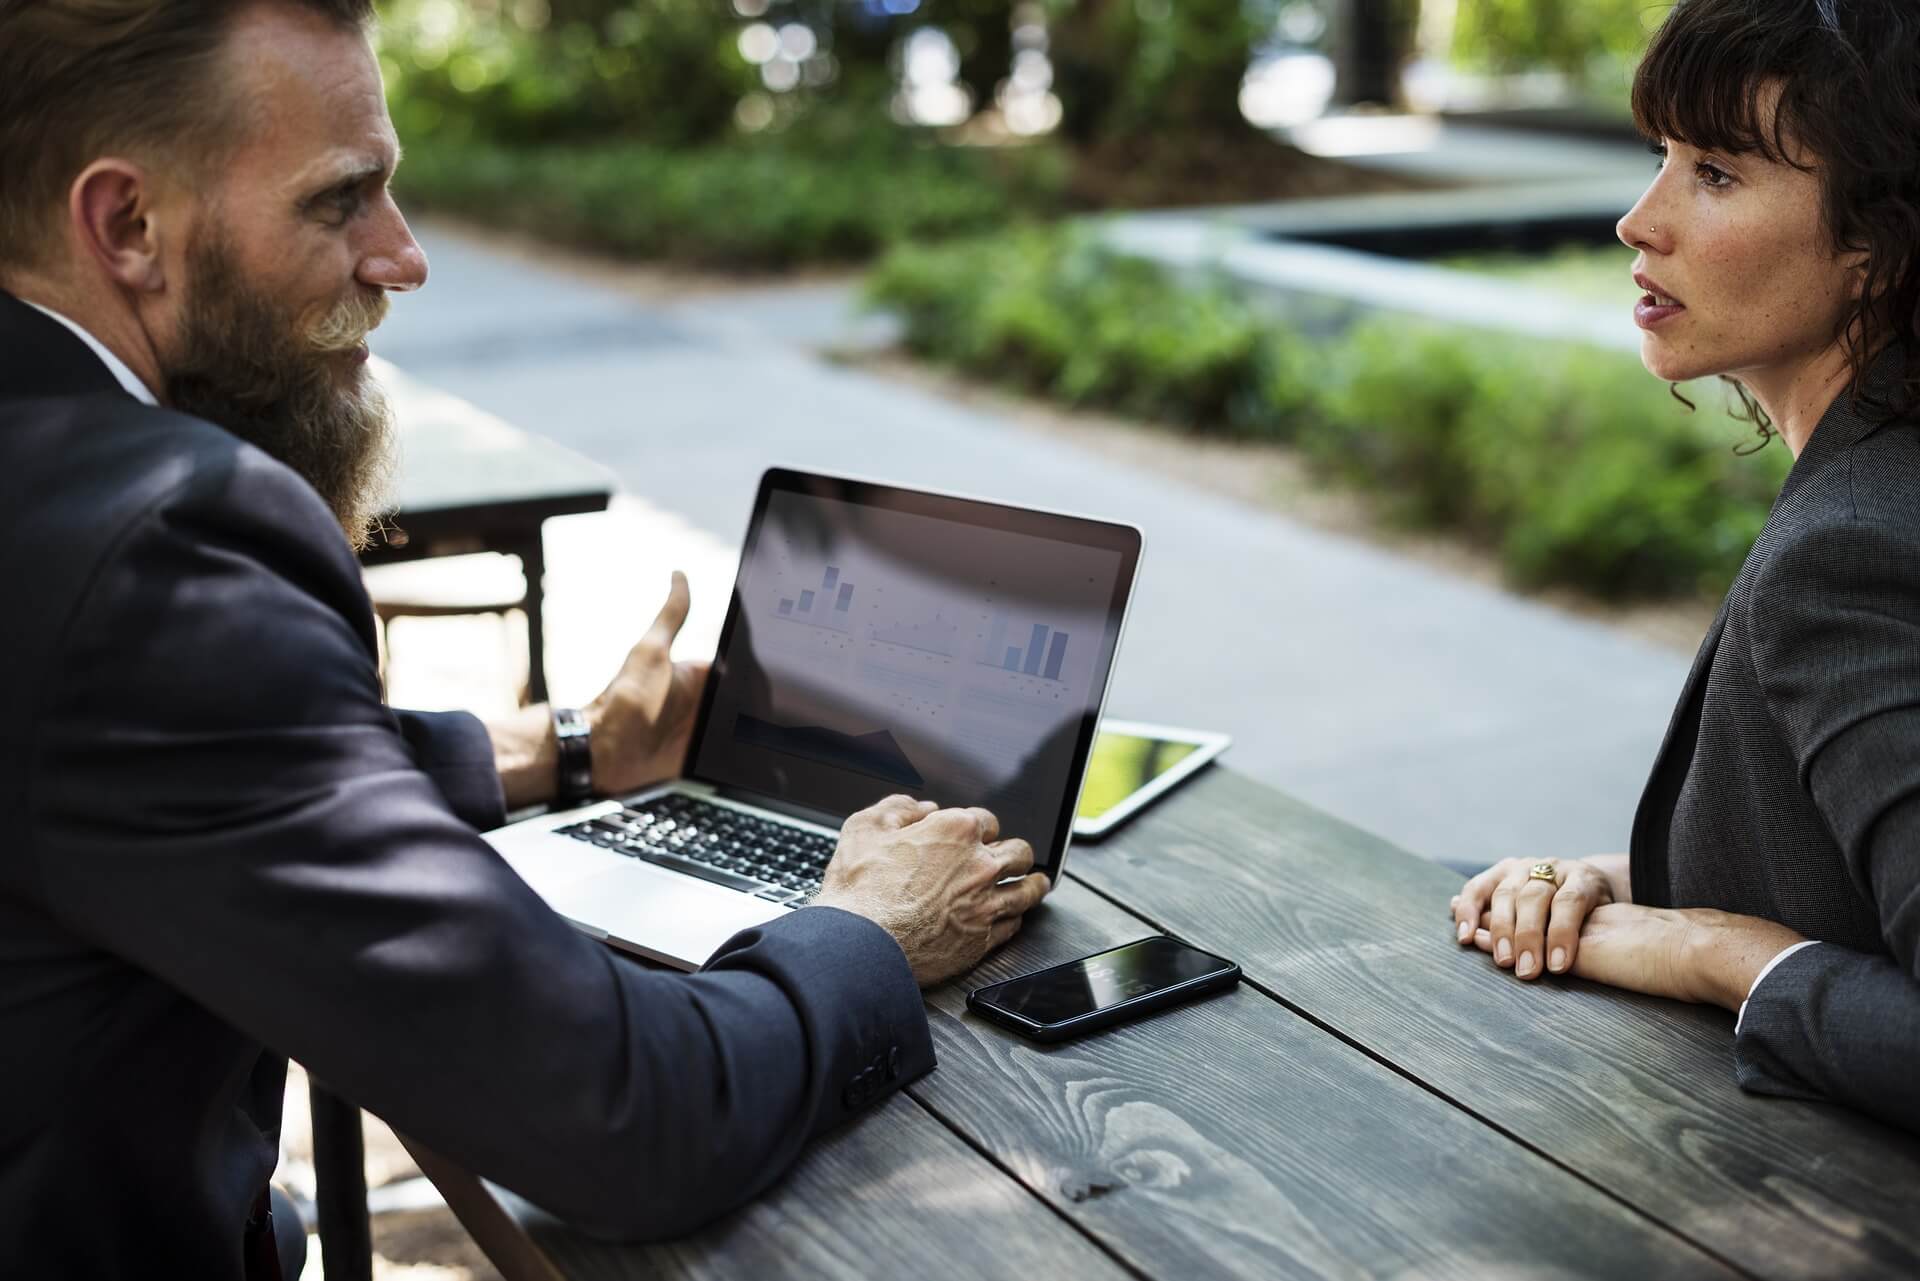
(1737, 265)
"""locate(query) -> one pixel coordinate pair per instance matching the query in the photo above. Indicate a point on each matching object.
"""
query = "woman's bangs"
(1702, 84)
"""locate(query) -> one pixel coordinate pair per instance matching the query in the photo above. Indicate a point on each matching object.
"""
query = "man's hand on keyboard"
(931, 878)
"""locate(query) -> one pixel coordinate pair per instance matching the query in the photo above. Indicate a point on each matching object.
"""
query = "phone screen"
(1103, 980)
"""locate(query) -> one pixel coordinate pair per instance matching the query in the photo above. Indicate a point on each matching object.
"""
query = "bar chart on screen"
(828, 606)
(1043, 656)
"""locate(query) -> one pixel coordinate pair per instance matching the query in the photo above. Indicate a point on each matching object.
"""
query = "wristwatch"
(574, 737)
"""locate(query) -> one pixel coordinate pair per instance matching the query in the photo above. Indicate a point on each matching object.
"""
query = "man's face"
(294, 244)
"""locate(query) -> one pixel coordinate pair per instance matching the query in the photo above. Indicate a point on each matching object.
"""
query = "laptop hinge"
(757, 800)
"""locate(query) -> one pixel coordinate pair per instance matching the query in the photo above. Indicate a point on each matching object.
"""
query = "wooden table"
(1372, 1101)
(470, 482)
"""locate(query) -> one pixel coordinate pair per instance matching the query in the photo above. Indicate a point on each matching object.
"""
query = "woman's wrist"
(1723, 954)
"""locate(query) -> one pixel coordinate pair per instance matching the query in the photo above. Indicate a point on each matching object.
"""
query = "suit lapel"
(1654, 819)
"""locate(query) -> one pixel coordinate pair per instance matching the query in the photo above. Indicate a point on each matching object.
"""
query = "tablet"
(1133, 765)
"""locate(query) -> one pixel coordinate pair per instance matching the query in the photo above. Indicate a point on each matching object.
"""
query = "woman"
(1775, 864)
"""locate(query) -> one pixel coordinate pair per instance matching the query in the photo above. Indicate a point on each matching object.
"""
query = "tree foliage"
(563, 70)
(1138, 67)
(1509, 35)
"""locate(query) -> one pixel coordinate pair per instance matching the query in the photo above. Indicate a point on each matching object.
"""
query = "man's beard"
(249, 366)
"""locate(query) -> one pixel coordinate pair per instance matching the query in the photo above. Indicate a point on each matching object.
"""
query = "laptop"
(880, 640)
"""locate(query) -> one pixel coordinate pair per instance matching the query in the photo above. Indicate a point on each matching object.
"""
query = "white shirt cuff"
(1761, 977)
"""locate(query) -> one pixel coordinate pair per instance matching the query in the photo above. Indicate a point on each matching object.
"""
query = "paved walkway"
(1451, 718)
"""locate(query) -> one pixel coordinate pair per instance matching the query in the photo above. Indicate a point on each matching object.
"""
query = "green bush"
(1571, 461)
(1056, 314)
(1389, 411)
(751, 203)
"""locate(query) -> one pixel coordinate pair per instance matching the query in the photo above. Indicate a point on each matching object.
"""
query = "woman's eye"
(1711, 175)
(1659, 150)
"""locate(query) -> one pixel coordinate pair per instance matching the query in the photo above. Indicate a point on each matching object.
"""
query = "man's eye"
(344, 203)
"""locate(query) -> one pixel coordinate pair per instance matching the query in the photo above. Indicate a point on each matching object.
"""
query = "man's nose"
(396, 262)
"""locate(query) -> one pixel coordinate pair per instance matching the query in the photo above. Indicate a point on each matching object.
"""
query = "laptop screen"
(883, 640)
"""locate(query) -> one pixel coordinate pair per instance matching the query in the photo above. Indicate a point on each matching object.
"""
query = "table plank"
(1233, 1138)
(894, 1194)
(1633, 1093)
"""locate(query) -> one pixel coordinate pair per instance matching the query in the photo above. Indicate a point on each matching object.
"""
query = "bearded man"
(218, 848)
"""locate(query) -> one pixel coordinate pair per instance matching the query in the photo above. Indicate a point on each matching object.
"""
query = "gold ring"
(1542, 872)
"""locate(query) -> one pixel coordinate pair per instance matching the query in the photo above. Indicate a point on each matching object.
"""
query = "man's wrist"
(525, 755)
(610, 722)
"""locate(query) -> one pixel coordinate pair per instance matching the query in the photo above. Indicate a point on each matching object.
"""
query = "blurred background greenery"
(664, 128)
(947, 141)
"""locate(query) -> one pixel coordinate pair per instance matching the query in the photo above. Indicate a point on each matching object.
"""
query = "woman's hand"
(1684, 954)
(1528, 920)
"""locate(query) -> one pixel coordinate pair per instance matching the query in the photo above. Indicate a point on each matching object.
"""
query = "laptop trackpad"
(665, 915)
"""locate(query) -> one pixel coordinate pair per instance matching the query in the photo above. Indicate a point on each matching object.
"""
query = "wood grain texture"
(1232, 1138)
(1634, 1093)
(895, 1194)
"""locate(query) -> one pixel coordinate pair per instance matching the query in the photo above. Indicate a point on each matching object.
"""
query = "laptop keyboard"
(729, 847)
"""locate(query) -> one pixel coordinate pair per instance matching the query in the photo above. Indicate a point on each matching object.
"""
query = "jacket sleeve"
(1839, 660)
(454, 750)
(219, 798)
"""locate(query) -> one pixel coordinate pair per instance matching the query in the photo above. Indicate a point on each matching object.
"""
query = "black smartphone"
(1125, 982)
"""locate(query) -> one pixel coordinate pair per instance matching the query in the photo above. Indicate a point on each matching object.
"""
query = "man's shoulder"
(81, 471)
(105, 497)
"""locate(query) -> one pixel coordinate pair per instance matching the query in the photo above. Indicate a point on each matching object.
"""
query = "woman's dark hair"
(1849, 79)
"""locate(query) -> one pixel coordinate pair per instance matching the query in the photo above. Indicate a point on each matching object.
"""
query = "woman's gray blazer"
(1788, 786)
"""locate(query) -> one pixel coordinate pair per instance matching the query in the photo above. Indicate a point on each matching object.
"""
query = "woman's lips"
(1654, 309)
(1655, 306)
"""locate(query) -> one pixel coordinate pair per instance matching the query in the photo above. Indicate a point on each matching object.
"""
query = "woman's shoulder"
(1852, 540)
(1883, 476)
(1864, 496)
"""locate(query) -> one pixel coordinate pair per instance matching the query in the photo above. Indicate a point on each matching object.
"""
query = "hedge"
(1572, 462)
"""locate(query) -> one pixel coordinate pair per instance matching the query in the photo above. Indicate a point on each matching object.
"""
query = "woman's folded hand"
(1528, 913)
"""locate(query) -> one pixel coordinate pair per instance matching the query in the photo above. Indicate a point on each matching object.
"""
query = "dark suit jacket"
(1789, 783)
(218, 849)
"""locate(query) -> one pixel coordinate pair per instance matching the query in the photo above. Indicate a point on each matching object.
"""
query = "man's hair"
(81, 79)
(1849, 78)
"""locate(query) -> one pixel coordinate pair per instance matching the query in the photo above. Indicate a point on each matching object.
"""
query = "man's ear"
(111, 206)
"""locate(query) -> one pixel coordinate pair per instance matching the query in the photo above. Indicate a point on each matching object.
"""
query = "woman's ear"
(1855, 265)
(110, 210)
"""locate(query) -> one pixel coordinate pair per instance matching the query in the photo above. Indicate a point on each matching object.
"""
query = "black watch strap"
(573, 737)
